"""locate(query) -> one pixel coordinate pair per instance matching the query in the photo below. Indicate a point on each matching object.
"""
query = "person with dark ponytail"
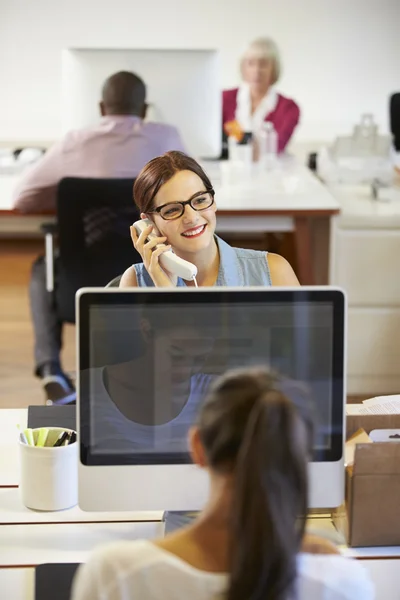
(249, 542)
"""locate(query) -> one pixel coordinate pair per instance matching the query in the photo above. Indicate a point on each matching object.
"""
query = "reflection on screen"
(151, 366)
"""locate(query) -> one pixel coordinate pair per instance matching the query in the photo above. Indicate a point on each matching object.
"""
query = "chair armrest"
(114, 282)
(49, 230)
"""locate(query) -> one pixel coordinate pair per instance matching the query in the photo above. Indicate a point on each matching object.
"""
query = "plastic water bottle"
(268, 145)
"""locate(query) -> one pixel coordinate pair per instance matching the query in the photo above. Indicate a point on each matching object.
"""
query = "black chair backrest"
(94, 216)
(395, 119)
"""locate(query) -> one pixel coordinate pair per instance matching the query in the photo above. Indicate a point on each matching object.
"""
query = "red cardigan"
(285, 116)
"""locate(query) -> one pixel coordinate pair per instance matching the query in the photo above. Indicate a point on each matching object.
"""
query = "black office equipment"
(395, 119)
(52, 416)
(54, 581)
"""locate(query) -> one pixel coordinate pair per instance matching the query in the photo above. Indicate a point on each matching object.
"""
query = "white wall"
(341, 57)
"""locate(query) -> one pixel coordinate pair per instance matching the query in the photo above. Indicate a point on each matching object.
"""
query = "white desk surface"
(30, 545)
(29, 538)
(13, 512)
(293, 187)
(7, 186)
(18, 584)
(359, 210)
(256, 204)
(9, 419)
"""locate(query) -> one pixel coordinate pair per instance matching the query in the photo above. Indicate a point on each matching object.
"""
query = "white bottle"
(244, 150)
(268, 145)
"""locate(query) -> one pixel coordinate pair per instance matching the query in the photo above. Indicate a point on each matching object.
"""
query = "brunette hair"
(160, 170)
(251, 429)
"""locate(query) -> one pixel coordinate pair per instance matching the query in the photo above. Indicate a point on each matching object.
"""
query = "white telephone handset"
(169, 260)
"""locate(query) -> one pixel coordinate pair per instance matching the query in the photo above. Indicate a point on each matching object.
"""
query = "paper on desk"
(383, 400)
(381, 405)
(384, 405)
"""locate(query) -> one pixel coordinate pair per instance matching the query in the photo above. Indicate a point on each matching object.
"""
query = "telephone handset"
(169, 260)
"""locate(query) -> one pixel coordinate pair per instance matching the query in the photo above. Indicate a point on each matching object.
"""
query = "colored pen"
(61, 439)
(29, 437)
(67, 439)
(22, 437)
(42, 437)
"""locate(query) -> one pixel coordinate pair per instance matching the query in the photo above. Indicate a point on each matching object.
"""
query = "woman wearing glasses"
(176, 195)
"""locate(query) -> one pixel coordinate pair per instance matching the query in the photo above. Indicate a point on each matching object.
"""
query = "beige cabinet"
(365, 262)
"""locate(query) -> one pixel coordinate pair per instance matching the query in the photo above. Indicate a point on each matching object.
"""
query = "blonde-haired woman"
(256, 100)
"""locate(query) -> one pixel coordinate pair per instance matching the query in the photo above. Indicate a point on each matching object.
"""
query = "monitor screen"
(183, 89)
(148, 357)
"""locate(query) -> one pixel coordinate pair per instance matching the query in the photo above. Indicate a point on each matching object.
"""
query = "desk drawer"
(373, 342)
(367, 265)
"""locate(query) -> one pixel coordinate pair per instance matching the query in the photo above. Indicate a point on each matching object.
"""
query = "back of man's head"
(123, 93)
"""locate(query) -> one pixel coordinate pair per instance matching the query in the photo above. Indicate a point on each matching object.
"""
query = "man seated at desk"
(118, 146)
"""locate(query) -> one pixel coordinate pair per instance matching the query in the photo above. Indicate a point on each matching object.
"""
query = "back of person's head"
(251, 432)
(123, 93)
(160, 170)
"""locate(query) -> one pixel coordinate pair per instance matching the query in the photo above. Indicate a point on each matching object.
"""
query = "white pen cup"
(48, 474)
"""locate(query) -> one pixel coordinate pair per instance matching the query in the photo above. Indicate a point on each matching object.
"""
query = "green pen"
(42, 437)
(29, 436)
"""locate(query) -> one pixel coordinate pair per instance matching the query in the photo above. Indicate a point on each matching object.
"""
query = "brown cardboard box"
(370, 422)
(371, 513)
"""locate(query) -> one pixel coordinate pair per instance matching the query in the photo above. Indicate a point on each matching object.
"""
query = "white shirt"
(140, 570)
(243, 115)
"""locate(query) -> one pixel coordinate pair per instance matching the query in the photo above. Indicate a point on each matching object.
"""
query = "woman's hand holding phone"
(150, 254)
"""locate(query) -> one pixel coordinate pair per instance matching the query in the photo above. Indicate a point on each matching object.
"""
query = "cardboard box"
(371, 513)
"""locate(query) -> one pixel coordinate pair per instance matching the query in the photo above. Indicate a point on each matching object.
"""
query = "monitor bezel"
(87, 297)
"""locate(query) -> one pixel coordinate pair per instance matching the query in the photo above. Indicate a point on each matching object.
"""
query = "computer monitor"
(146, 358)
(394, 119)
(183, 89)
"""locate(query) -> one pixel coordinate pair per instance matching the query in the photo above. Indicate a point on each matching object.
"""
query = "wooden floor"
(18, 386)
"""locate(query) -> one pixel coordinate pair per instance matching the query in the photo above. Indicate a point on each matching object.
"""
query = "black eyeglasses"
(174, 210)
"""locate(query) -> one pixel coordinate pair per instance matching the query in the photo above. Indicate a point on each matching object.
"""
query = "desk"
(364, 261)
(29, 538)
(13, 223)
(10, 419)
(288, 201)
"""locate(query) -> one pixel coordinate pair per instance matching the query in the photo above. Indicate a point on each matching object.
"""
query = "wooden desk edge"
(12, 212)
(297, 212)
(308, 212)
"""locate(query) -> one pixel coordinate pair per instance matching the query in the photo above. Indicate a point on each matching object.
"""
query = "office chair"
(93, 238)
(394, 118)
(114, 282)
(94, 243)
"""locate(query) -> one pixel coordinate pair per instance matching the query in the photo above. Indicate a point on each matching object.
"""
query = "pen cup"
(49, 475)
